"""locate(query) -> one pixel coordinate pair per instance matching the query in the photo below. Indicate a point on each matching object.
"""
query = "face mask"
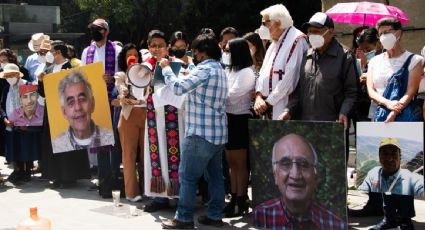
(178, 53)
(49, 57)
(226, 58)
(96, 35)
(12, 80)
(370, 55)
(41, 59)
(2, 65)
(264, 33)
(388, 40)
(317, 40)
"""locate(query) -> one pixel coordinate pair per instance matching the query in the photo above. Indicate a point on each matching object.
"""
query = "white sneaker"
(135, 199)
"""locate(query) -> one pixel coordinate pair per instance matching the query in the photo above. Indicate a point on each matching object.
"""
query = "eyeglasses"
(265, 22)
(385, 32)
(318, 32)
(226, 50)
(286, 164)
(157, 47)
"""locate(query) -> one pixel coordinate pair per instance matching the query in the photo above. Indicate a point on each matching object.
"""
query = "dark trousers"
(109, 159)
(398, 206)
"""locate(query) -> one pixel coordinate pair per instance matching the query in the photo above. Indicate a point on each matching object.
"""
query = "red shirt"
(274, 214)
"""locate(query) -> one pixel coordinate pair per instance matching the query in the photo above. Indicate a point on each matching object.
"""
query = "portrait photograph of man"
(389, 173)
(77, 98)
(390, 158)
(298, 175)
(30, 113)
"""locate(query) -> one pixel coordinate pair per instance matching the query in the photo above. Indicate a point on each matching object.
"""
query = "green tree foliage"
(328, 140)
(131, 20)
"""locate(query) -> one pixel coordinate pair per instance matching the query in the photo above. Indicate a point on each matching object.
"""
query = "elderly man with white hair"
(280, 71)
(296, 207)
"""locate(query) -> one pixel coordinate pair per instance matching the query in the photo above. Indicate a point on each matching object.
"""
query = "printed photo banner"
(78, 109)
(298, 168)
(31, 110)
(395, 149)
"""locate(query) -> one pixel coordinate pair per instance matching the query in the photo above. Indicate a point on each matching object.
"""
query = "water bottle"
(34, 222)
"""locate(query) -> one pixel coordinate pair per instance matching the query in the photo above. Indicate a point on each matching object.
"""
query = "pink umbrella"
(364, 13)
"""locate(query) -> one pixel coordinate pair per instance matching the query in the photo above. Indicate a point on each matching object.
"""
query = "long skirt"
(67, 166)
(27, 144)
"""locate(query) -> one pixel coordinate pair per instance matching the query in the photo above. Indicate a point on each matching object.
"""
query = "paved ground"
(78, 208)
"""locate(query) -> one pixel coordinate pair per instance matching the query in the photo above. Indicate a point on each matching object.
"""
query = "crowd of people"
(277, 72)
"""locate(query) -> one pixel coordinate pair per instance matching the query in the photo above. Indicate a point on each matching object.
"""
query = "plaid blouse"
(274, 214)
(205, 105)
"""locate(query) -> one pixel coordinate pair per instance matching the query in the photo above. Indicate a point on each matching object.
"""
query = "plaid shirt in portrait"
(274, 214)
(205, 105)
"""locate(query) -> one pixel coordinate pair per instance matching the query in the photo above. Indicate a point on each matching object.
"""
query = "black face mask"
(96, 35)
(178, 53)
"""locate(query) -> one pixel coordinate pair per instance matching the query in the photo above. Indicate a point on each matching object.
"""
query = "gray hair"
(279, 13)
(74, 78)
(315, 158)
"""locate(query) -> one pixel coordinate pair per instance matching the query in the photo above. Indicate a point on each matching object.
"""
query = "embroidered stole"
(173, 149)
(281, 72)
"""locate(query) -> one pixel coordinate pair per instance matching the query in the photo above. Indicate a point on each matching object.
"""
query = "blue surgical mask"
(370, 55)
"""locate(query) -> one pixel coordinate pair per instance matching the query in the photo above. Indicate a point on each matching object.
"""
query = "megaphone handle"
(129, 91)
(148, 91)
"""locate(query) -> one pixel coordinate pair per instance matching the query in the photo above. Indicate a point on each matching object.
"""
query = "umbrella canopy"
(364, 13)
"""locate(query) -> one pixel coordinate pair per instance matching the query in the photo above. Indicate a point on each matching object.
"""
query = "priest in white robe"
(280, 71)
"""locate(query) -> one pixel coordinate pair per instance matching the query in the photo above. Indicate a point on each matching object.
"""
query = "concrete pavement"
(78, 208)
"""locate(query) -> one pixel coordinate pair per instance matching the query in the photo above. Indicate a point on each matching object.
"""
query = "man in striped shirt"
(205, 132)
(296, 208)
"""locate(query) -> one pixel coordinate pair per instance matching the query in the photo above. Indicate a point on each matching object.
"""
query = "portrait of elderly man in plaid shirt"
(205, 132)
(295, 173)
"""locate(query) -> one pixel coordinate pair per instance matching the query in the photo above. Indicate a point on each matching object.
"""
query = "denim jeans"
(200, 157)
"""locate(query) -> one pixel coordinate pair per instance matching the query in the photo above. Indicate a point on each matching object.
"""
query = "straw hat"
(11, 68)
(46, 45)
(36, 40)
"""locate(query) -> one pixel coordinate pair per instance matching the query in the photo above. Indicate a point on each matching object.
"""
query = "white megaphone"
(139, 75)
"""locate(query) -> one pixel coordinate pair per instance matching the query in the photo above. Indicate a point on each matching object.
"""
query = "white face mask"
(12, 80)
(264, 33)
(2, 65)
(388, 40)
(41, 59)
(49, 57)
(317, 40)
(226, 58)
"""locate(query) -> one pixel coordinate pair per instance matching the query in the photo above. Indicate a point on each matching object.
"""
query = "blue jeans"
(200, 157)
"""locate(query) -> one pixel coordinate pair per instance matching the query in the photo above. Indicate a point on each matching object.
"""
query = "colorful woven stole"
(173, 149)
(109, 70)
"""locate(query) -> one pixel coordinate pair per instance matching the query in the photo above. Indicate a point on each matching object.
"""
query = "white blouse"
(382, 68)
(241, 85)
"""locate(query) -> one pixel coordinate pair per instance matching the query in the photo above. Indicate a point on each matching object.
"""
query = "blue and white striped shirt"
(205, 105)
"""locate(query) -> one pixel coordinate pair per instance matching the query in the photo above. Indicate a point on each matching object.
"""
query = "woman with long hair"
(241, 83)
